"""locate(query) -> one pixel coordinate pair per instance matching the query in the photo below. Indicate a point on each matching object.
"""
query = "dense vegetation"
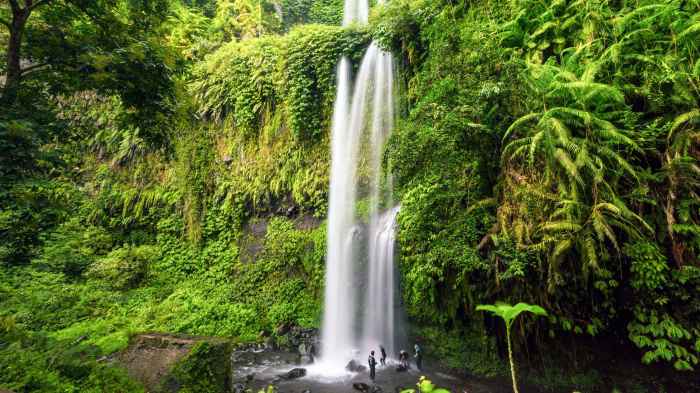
(164, 167)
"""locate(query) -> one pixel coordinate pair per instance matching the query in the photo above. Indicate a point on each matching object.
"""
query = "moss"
(204, 369)
(468, 350)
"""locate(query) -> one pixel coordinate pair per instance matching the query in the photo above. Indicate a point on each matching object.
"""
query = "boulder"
(360, 386)
(354, 367)
(282, 329)
(238, 388)
(294, 373)
(376, 389)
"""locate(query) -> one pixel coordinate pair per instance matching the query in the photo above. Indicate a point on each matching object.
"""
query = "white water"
(380, 305)
(363, 110)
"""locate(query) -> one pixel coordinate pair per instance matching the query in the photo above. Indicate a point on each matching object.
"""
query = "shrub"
(125, 267)
(73, 247)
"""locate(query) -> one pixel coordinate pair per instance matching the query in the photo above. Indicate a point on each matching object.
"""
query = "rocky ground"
(257, 369)
(161, 362)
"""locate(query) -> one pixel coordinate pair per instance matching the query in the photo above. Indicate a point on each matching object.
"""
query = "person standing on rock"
(419, 357)
(372, 365)
(382, 360)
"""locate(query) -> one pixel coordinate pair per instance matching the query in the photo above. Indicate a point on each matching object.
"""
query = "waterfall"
(380, 305)
(365, 109)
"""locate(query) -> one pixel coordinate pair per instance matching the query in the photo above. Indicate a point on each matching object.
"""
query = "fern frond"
(569, 166)
(523, 120)
(687, 117)
(561, 226)
(688, 32)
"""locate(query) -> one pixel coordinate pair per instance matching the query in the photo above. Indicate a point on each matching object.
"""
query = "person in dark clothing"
(382, 360)
(372, 365)
(419, 357)
(403, 360)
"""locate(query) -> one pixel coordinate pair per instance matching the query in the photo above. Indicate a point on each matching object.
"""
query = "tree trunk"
(677, 248)
(14, 56)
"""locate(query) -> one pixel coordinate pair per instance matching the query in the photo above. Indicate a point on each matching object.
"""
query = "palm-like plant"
(508, 314)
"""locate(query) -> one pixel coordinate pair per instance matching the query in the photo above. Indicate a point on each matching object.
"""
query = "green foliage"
(309, 68)
(329, 12)
(295, 72)
(28, 208)
(241, 19)
(34, 362)
(124, 267)
(592, 107)
(663, 339)
(660, 329)
(470, 350)
(650, 270)
(73, 247)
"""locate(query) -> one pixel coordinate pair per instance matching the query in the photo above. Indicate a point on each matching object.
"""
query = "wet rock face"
(303, 341)
(298, 335)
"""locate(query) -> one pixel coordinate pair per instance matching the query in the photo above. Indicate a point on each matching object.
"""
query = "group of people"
(403, 360)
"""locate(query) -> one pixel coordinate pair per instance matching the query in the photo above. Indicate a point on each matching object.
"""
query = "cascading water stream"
(347, 327)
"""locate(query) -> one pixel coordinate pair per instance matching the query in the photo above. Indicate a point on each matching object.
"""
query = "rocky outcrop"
(171, 363)
(294, 373)
(364, 388)
(303, 341)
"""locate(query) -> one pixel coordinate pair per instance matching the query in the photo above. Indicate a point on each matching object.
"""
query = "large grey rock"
(294, 373)
(360, 386)
(238, 388)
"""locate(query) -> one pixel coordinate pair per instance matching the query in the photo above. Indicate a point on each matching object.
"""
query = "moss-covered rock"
(178, 363)
(204, 369)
